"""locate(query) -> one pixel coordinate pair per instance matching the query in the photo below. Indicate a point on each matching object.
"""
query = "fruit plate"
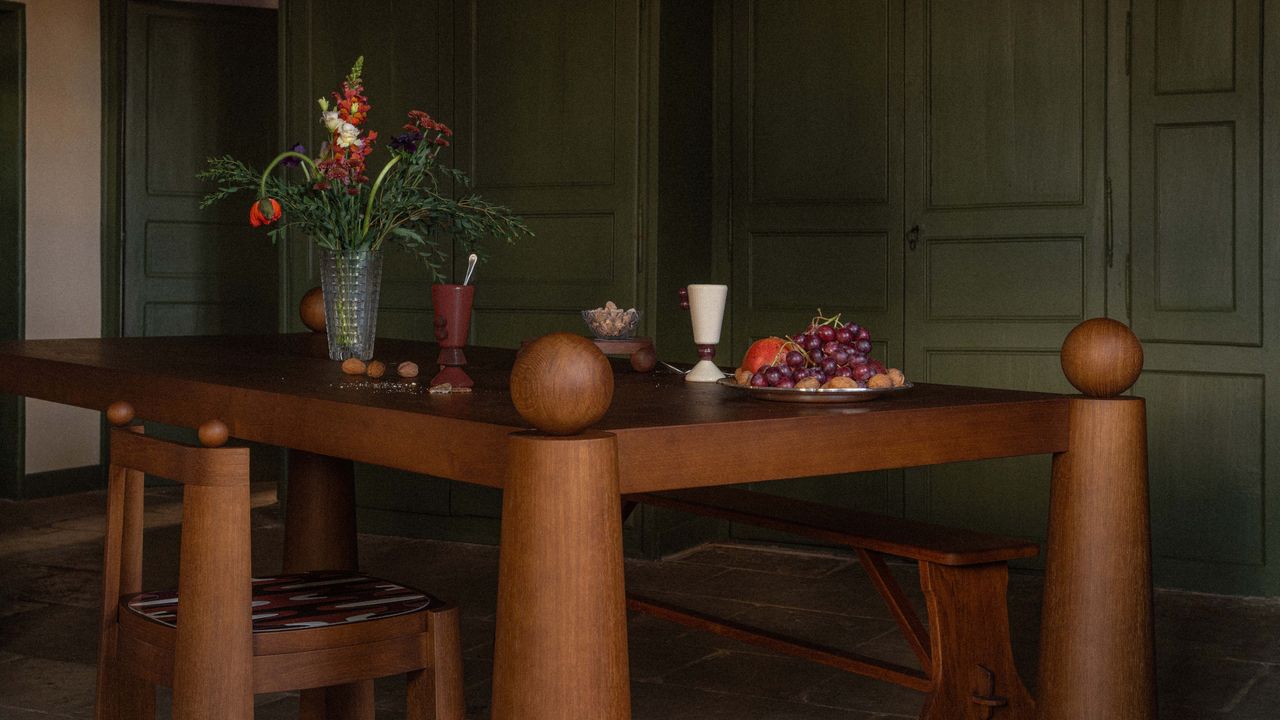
(814, 395)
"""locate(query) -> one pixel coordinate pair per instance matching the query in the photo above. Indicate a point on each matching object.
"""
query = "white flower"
(330, 119)
(348, 134)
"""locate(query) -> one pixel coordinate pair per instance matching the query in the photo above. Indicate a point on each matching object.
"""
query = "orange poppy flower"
(256, 215)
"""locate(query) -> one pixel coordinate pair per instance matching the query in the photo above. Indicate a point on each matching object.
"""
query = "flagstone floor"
(1217, 657)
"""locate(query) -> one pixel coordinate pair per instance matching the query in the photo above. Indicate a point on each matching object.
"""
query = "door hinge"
(1128, 288)
(913, 237)
(1128, 42)
(1108, 231)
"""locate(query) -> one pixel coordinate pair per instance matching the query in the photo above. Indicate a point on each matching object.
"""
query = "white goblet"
(706, 309)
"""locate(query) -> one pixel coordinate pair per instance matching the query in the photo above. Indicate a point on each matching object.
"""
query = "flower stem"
(262, 185)
(373, 194)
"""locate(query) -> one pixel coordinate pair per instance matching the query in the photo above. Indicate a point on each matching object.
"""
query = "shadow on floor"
(1217, 657)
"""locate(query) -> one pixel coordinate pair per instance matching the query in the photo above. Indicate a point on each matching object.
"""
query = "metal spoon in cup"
(471, 267)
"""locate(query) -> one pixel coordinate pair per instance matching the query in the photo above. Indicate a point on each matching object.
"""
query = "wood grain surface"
(282, 390)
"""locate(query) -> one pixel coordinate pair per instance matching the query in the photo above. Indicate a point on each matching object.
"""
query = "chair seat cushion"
(301, 601)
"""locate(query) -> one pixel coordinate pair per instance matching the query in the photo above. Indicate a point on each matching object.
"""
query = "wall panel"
(1196, 142)
(1195, 46)
(1005, 279)
(1005, 103)
(548, 95)
(1207, 440)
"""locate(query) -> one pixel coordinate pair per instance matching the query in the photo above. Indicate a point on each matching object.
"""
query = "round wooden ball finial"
(213, 433)
(1101, 357)
(561, 383)
(120, 413)
(311, 310)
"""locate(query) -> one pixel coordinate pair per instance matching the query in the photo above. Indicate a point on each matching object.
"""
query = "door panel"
(551, 129)
(1005, 109)
(1197, 298)
(1196, 138)
(817, 169)
(1005, 179)
(817, 191)
(187, 98)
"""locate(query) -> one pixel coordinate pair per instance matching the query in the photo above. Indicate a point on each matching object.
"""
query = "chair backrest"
(214, 649)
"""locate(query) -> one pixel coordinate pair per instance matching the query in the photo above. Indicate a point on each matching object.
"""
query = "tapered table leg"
(320, 534)
(561, 647)
(1096, 641)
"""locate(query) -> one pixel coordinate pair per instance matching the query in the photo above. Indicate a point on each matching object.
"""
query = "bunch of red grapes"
(826, 349)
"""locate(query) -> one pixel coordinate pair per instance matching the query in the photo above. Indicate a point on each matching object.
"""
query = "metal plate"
(814, 395)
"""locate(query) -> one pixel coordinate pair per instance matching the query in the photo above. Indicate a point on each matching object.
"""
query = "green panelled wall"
(969, 180)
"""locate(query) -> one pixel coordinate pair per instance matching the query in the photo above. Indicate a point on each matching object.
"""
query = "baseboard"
(64, 481)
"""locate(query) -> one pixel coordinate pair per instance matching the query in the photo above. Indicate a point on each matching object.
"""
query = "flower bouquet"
(330, 199)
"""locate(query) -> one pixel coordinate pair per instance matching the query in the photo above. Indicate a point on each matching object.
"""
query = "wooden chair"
(231, 635)
(965, 656)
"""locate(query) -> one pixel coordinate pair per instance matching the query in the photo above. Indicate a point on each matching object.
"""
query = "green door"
(189, 95)
(817, 189)
(549, 102)
(12, 253)
(1198, 289)
(1005, 220)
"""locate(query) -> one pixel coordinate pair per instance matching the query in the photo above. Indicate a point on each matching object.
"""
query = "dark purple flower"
(406, 141)
(293, 161)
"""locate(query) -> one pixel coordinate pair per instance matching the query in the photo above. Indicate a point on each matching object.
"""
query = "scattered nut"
(897, 377)
(407, 369)
(808, 383)
(840, 382)
(880, 380)
(643, 360)
(376, 369)
(743, 376)
(353, 366)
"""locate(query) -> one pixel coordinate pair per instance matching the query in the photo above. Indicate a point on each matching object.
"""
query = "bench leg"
(974, 677)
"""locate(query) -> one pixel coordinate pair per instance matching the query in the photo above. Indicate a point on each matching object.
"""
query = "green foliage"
(339, 210)
(409, 208)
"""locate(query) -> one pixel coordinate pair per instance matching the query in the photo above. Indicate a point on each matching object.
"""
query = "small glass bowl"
(610, 330)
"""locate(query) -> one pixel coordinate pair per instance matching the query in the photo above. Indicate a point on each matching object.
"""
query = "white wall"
(63, 228)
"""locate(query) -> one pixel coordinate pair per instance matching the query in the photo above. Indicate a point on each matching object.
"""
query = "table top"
(283, 390)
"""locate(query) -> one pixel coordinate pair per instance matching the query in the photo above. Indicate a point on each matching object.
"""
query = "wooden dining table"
(561, 643)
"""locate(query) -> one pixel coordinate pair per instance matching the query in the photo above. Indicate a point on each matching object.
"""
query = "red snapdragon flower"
(257, 216)
(353, 106)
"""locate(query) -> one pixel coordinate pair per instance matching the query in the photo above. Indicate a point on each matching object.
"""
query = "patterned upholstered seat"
(303, 600)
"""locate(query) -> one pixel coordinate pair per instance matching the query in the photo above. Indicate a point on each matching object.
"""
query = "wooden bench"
(966, 661)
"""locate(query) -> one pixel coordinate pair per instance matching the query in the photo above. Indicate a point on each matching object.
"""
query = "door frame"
(13, 255)
(112, 239)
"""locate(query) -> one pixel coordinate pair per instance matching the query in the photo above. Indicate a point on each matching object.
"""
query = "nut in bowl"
(612, 322)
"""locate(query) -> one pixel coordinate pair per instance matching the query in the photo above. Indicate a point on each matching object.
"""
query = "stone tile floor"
(1218, 657)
